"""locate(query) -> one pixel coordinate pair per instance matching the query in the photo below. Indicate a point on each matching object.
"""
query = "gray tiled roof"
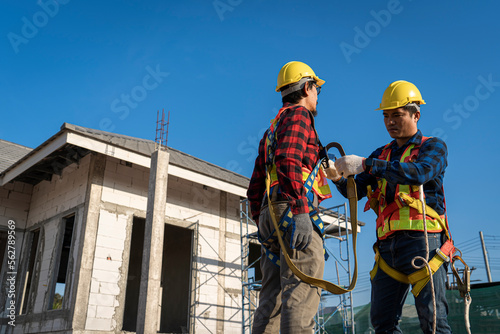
(146, 147)
(10, 153)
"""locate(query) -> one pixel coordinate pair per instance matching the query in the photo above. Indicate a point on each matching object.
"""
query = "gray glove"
(302, 233)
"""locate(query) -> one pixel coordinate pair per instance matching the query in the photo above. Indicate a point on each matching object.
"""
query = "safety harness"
(311, 185)
(310, 181)
(407, 212)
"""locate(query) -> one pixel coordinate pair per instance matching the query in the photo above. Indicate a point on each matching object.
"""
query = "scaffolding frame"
(336, 229)
(248, 284)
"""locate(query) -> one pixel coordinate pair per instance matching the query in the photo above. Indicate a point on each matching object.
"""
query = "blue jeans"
(388, 295)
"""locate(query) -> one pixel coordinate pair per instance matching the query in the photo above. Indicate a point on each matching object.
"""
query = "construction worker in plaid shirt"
(286, 304)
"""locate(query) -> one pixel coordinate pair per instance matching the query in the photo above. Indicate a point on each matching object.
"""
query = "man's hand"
(350, 165)
(332, 172)
(302, 234)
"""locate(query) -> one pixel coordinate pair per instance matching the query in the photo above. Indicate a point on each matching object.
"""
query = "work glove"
(302, 231)
(350, 165)
(332, 172)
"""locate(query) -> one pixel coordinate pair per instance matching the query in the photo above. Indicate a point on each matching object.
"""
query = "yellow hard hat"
(293, 72)
(400, 93)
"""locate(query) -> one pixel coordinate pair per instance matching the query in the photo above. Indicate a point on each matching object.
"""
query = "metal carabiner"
(463, 284)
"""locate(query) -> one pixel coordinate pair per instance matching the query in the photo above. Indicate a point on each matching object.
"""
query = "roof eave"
(67, 135)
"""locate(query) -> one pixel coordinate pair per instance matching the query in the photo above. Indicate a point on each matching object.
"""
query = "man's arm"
(431, 162)
(257, 185)
(362, 181)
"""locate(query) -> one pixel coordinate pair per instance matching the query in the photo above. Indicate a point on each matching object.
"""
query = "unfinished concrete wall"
(49, 203)
(218, 290)
(15, 198)
(62, 193)
(232, 268)
(14, 206)
(125, 186)
(106, 287)
(123, 196)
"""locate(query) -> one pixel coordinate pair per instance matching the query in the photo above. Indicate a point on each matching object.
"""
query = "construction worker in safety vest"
(390, 178)
(289, 150)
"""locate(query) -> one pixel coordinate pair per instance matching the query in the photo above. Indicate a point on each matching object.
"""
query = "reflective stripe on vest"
(399, 215)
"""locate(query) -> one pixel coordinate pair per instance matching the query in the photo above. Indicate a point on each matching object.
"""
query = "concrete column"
(88, 237)
(149, 294)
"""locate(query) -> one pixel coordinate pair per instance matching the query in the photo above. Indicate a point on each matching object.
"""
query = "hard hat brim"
(318, 81)
(397, 106)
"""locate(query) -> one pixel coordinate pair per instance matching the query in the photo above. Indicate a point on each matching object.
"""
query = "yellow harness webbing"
(417, 279)
(325, 285)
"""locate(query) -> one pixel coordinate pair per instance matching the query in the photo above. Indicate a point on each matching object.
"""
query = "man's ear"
(307, 88)
(416, 116)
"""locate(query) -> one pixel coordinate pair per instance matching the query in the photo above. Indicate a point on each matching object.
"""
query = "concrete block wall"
(232, 272)
(106, 289)
(195, 202)
(232, 285)
(124, 195)
(125, 188)
(62, 193)
(125, 185)
(219, 260)
(49, 202)
(15, 198)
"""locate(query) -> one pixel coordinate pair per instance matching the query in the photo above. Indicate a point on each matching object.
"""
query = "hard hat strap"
(413, 104)
(295, 87)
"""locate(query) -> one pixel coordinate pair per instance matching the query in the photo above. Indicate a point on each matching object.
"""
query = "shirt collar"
(416, 139)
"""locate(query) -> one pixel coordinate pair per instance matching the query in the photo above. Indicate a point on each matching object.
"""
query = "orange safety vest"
(320, 186)
(405, 212)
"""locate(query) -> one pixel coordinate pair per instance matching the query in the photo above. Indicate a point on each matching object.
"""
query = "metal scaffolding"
(249, 285)
(337, 245)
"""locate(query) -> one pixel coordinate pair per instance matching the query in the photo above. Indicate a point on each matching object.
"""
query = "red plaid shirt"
(297, 147)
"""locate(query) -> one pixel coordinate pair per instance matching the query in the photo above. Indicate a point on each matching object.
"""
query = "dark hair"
(412, 108)
(296, 96)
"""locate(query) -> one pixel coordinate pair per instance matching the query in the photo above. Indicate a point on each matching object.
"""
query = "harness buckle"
(446, 250)
(442, 255)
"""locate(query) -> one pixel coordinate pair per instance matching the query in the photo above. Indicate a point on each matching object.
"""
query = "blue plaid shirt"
(428, 170)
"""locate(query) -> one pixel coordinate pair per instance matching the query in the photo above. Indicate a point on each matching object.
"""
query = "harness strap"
(287, 218)
(419, 278)
(353, 202)
(325, 285)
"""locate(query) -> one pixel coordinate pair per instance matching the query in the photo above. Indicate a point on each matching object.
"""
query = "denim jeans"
(388, 295)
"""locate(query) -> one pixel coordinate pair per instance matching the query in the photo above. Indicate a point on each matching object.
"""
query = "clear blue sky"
(111, 65)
